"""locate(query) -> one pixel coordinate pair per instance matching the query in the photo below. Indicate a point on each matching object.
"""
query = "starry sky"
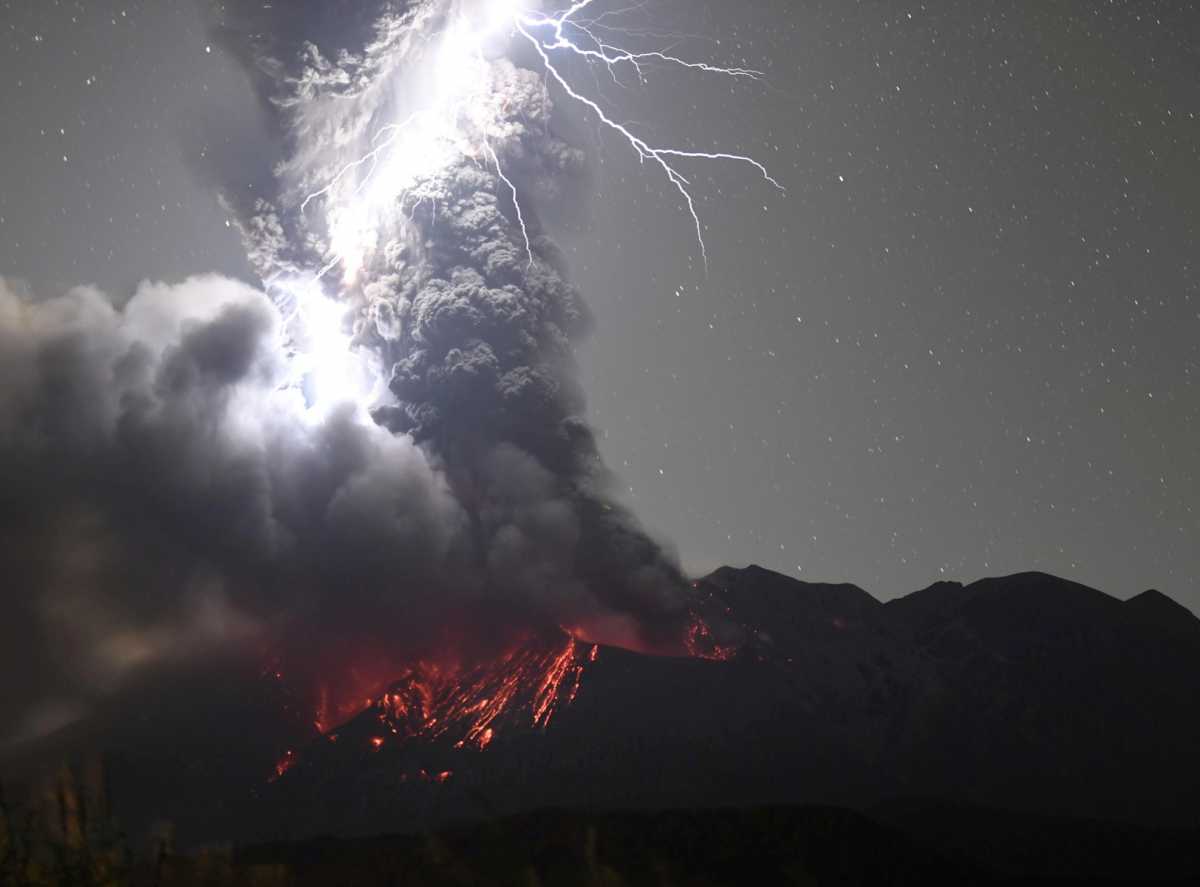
(966, 342)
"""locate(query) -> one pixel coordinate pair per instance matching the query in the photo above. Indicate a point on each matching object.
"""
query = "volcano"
(1027, 693)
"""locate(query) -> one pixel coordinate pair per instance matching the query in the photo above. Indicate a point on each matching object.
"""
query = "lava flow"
(699, 639)
(527, 685)
(702, 645)
(466, 707)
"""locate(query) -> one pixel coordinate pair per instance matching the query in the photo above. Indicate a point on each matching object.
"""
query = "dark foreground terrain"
(911, 843)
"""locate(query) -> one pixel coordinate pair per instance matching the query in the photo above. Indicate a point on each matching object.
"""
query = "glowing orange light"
(702, 645)
(436, 699)
(469, 705)
(284, 764)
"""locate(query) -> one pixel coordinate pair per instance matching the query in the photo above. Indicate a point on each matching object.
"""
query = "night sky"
(966, 342)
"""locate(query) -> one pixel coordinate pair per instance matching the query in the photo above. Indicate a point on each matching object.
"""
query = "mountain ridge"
(1023, 692)
(1026, 692)
(726, 574)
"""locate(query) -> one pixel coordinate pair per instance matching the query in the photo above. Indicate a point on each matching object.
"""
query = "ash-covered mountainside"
(1026, 692)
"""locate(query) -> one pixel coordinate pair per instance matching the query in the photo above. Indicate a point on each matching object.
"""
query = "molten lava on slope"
(440, 707)
(446, 704)
(524, 686)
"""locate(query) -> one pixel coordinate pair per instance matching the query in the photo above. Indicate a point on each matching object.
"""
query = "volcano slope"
(1026, 693)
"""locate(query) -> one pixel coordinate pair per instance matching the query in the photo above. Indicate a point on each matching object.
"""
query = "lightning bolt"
(551, 35)
(389, 135)
(491, 152)
(612, 57)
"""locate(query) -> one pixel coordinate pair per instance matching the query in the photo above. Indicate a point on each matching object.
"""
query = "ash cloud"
(167, 496)
(164, 498)
(475, 329)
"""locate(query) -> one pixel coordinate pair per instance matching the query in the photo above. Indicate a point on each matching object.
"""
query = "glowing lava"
(442, 703)
(527, 685)
(702, 645)
(466, 708)
(284, 764)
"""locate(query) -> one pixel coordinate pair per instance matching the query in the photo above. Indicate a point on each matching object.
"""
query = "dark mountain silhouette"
(1159, 611)
(1027, 693)
(1015, 727)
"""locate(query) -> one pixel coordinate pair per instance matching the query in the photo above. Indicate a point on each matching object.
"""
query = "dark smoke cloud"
(166, 497)
(162, 498)
(478, 333)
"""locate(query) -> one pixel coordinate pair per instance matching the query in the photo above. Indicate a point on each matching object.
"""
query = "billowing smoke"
(377, 452)
(166, 496)
(453, 289)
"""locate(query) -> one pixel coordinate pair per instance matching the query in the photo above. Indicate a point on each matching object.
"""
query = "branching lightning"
(491, 152)
(527, 25)
(445, 130)
(611, 56)
(467, 116)
(384, 139)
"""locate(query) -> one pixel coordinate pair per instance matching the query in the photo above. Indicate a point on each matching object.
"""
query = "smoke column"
(382, 452)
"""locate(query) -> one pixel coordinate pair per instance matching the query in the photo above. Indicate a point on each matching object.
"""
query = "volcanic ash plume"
(377, 457)
(166, 495)
(416, 158)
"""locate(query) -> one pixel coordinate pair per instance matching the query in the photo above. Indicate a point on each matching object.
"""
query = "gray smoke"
(477, 331)
(165, 496)
(161, 500)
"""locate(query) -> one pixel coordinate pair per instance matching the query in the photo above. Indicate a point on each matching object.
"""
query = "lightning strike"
(611, 56)
(491, 152)
(393, 131)
(464, 116)
(645, 152)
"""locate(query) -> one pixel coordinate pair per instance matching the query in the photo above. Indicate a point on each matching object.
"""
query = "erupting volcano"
(439, 701)
(445, 704)
(321, 516)
(373, 471)
(426, 309)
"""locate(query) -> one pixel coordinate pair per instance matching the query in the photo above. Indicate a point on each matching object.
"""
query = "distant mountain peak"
(753, 574)
(1154, 602)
